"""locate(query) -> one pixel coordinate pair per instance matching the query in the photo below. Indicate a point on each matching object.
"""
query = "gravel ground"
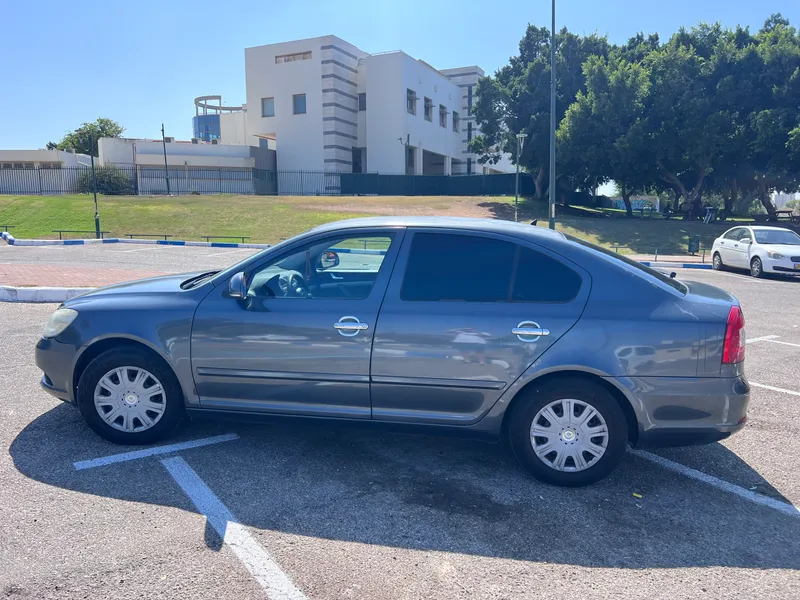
(353, 513)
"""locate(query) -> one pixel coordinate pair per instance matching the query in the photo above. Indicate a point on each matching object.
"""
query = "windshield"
(673, 283)
(777, 236)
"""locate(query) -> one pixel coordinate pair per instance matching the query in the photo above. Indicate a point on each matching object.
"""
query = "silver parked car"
(567, 350)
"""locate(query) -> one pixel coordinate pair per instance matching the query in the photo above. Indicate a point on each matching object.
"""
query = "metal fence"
(154, 180)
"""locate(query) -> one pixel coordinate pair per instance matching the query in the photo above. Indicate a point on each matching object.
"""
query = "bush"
(111, 181)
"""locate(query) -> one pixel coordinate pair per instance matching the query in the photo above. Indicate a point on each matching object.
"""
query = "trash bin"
(694, 244)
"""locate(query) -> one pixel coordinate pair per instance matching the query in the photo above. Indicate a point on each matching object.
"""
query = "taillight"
(733, 349)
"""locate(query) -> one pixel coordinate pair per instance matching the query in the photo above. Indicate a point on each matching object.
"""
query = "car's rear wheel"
(756, 267)
(568, 433)
(717, 262)
(129, 397)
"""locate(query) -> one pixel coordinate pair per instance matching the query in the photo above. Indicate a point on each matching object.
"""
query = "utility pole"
(166, 168)
(553, 120)
(94, 190)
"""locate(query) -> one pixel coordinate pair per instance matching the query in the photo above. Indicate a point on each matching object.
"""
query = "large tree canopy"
(84, 139)
(710, 110)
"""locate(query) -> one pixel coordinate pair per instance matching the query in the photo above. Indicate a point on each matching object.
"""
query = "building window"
(428, 109)
(267, 108)
(284, 58)
(469, 166)
(411, 102)
(469, 98)
(442, 115)
(362, 101)
(469, 131)
(299, 104)
(263, 143)
(456, 122)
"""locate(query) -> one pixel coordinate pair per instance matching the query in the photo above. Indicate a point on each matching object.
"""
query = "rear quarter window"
(645, 270)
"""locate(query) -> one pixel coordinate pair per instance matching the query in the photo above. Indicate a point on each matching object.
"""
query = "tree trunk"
(626, 198)
(765, 199)
(538, 183)
(730, 201)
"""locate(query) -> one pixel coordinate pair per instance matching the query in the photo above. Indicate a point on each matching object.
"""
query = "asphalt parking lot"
(332, 512)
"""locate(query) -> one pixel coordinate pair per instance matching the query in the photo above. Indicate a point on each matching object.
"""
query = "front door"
(300, 341)
(464, 315)
(741, 249)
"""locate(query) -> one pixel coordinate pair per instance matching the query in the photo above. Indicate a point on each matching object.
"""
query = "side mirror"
(746, 241)
(237, 286)
(327, 260)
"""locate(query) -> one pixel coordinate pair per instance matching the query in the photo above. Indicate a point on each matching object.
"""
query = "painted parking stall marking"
(252, 555)
(154, 451)
(773, 388)
(783, 507)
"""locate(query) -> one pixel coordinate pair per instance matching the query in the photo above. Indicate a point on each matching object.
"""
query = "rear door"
(726, 249)
(464, 315)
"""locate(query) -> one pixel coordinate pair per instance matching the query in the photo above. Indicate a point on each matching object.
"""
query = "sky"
(143, 62)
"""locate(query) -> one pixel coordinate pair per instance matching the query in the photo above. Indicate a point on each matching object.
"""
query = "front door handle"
(350, 326)
(529, 331)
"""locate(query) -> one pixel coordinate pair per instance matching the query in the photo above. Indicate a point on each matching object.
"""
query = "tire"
(717, 264)
(756, 267)
(584, 395)
(163, 410)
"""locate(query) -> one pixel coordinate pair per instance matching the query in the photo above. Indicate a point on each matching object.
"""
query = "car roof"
(472, 224)
(767, 228)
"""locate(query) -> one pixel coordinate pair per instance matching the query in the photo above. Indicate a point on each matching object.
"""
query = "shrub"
(111, 181)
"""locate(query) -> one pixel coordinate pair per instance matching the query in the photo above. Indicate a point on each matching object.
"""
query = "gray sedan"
(567, 351)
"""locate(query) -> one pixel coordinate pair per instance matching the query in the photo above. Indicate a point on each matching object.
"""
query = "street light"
(520, 141)
(552, 207)
(166, 168)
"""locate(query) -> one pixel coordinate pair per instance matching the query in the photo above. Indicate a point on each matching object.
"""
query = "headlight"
(774, 255)
(60, 320)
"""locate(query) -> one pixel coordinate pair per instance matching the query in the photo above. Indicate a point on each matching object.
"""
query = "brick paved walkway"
(62, 276)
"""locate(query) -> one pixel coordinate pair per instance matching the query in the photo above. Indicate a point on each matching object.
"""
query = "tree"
(84, 139)
(51, 146)
(517, 99)
(111, 181)
(603, 131)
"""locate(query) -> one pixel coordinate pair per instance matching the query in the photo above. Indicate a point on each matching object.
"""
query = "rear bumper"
(676, 411)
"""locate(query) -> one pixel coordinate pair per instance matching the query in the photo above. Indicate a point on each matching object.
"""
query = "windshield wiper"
(197, 279)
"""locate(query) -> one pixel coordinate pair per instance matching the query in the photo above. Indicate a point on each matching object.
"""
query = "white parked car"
(758, 249)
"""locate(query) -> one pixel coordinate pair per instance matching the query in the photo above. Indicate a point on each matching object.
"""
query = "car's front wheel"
(756, 267)
(129, 397)
(568, 433)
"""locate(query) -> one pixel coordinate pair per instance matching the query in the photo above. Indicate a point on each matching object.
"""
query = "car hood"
(785, 249)
(152, 286)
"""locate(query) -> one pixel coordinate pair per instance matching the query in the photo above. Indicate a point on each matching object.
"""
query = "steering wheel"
(292, 285)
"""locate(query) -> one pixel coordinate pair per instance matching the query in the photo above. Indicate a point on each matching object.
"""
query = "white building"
(40, 171)
(193, 166)
(328, 106)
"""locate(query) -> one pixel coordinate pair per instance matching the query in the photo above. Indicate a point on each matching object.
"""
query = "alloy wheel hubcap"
(569, 435)
(130, 399)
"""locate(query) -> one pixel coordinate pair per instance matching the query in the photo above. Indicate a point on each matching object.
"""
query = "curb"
(12, 241)
(39, 294)
(674, 265)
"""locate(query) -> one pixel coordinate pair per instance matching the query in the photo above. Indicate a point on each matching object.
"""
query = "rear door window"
(453, 267)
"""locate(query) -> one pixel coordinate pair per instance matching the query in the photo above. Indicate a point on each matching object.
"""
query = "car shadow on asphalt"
(424, 493)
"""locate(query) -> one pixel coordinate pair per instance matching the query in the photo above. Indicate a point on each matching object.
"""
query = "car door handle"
(350, 326)
(335, 278)
(529, 331)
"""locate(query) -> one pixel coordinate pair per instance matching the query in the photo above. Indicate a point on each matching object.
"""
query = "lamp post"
(166, 168)
(552, 206)
(520, 141)
(94, 191)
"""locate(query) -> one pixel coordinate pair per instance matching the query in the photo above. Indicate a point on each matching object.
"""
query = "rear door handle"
(529, 331)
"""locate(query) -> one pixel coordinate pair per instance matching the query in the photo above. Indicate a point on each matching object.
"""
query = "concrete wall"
(34, 158)
(233, 128)
(40, 171)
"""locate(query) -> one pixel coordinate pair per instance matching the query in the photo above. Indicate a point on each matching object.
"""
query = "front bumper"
(56, 360)
(678, 411)
(781, 265)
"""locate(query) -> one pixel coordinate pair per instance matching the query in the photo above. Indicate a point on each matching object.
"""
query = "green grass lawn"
(272, 218)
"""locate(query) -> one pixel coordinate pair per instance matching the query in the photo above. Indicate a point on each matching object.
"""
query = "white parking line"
(763, 338)
(783, 343)
(255, 559)
(774, 389)
(788, 509)
(137, 454)
(231, 251)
